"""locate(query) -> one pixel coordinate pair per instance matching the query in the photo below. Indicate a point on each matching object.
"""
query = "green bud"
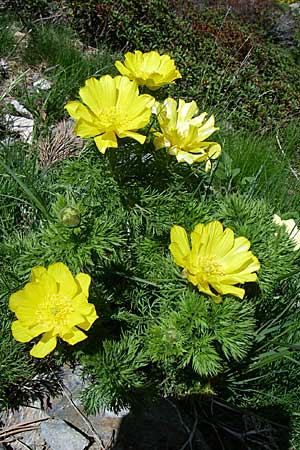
(70, 216)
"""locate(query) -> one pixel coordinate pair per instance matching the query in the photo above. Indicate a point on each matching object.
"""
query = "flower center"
(209, 266)
(55, 312)
(113, 119)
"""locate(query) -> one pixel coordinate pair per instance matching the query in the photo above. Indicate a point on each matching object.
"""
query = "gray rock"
(102, 424)
(19, 108)
(17, 420)
(295, 7)
(284, 28)
(42, 85)
(59, 436)
(20, 125)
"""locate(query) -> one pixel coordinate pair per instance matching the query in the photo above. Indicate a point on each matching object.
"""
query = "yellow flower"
(291, 229)
(150, 69)
(184, 135)
(54, 304)
(216, 260)
(113, 108)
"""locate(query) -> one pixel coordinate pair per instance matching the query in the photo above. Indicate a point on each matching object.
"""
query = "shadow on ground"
(202, 425)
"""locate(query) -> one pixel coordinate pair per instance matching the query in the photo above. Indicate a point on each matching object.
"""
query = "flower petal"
(84, 281)
(37, 272)
(20, 332)
(122, 69)
(138, 137)
(86, 129)
(179, 246)
(45, 346)
(73, 336)
(91, 94)
(89, 319)
(105, 141)
(67, 286)
(224, 289)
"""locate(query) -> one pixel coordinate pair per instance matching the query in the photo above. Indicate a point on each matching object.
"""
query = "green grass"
(7, 40)
(67, 67)
(262, 165)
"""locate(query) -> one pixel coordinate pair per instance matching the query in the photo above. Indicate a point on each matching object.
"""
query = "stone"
(283, 29)
(19, 108)
(20, 125)
(104, 424)
(59, 436)
(31, 415)
(42, 85)
(18, 35)
(295, 7)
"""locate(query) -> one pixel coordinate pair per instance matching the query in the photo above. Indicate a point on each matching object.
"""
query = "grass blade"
(28, 192)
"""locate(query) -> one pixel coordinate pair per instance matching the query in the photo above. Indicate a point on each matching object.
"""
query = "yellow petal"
(187, 157)
(78, 111)
(186, 110)
(105, 141)
(138, 137)
(86, 129)
(18, 299)
(91, 95)
(48, 283)
(139, 111)
(74, 318)
(224, 289)
(45, 346)
(122, 69)
(89, 319)
(277, 220)
(212, 234)
(37, 272)
(236, 263)
(25, 302)
(67, 286)
(204, 287)
(80, 303)
(84, 281)
(20, 332)
(73, 336)
(214, 150)
(127, 92)
(179, 246)
(197, 240)
(226, 243)
(239, 278)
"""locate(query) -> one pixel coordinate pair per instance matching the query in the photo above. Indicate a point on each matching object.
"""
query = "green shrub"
(28, 10)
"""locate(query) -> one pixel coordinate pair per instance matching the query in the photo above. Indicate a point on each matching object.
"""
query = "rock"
(42, 85)
(19, 36)
(20, 125)
(104, 424)
(295, 7)
(19, 108)
(59, 436)
(283, 30)
(32, 415)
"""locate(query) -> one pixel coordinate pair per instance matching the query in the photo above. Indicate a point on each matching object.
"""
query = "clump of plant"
(164, 285)
(29, 10)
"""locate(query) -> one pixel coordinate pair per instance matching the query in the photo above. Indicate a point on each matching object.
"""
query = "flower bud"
(70, 216)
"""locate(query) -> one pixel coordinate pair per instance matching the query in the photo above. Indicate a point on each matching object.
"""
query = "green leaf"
(33, 196)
